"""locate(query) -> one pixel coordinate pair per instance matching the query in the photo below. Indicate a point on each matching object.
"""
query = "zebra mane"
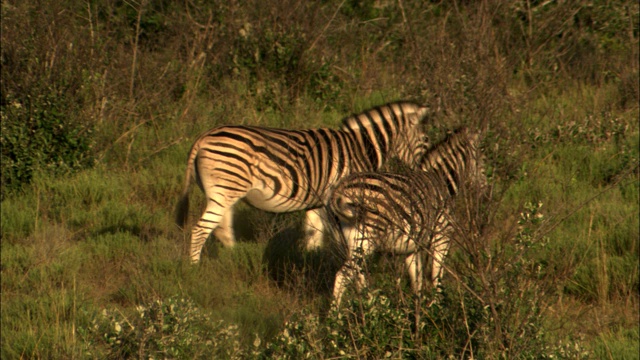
(455, 159)
(407, 108)
(458, 137)
(394, 129)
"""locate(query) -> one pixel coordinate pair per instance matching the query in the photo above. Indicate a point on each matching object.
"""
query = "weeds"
(101, 100)
(498, 313)
(175, 328)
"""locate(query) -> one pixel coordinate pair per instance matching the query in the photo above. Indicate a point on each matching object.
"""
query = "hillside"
(101, 101)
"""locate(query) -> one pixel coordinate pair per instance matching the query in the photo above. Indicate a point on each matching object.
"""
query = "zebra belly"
(401, 245)
(274, 202)
(395, 242)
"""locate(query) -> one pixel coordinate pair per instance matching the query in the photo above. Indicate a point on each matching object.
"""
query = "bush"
(565, 38)
(280, 55)
(44, 91)
(489, 311)
(175, 328)
(38, 133)
(370, 326)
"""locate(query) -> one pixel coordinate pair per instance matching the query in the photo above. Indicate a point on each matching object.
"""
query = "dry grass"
(100, 103)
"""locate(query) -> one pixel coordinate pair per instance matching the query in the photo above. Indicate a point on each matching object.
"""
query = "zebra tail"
(182, 208)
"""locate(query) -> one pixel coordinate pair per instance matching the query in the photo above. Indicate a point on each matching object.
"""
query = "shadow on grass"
(285, 260)
(291, 267)
(145, 232)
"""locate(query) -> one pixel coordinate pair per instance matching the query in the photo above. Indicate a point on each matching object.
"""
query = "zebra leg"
(344, 276)
(440, 249)
(215, 214)
(415, 269)
(313, 228)
(224, 231)
(352, 269)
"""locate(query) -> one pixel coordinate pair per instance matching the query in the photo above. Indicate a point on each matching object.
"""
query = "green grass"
(102, 239)
(620, 344)
(562, 120)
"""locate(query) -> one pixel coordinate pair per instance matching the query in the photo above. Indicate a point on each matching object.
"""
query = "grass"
(100, 239)
(561, 130)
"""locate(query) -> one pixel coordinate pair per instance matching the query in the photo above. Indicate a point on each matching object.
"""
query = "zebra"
(280, 170)
(405, 213)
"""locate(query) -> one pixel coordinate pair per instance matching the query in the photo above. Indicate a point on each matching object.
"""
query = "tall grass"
(95, 138)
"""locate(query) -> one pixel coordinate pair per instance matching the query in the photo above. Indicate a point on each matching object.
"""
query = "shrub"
(275, 61)
(175, 328)
(370, 326)
(44, 92)
(38, 133)
(489, 311)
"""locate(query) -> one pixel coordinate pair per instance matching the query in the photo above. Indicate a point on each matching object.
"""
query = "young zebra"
(406, 214)
(288, 170)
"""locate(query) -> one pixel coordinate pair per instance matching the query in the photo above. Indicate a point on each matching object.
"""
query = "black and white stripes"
(287, 170)
(407, 214)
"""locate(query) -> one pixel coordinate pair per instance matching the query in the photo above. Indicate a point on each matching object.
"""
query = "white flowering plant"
(175, 328)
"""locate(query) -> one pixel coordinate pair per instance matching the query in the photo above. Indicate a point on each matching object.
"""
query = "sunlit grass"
(104, 238)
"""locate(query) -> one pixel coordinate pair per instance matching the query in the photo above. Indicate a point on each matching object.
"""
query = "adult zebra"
(288, 170)
(406, 213)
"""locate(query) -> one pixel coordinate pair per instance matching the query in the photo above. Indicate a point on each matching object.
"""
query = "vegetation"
(102, 99)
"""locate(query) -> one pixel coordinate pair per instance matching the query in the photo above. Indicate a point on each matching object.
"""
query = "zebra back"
(284, 170)
(387, 202)
(411, 200)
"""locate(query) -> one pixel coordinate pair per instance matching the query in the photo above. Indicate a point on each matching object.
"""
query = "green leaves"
(175, 328)
(38, 134)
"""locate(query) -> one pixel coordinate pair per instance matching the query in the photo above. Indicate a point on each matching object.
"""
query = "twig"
(126, 160)
(135, 49)
(313, 44)
(414, 43)
(91, 32)
(122, 137)
(466, 324)
(159, 150)
(445, 267)
(129, 131)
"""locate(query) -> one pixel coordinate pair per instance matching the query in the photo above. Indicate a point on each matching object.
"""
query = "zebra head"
(392, 130)
(457, 159)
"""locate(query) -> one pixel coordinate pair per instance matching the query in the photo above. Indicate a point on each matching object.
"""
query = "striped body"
(406, 214)
(287, 170)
